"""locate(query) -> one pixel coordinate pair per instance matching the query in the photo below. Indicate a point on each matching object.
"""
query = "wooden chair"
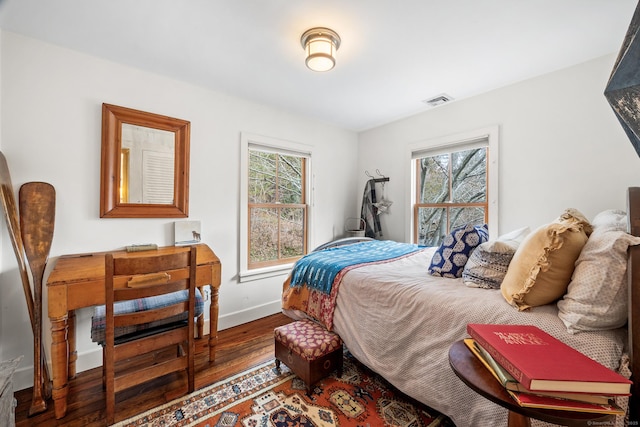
(140, 278)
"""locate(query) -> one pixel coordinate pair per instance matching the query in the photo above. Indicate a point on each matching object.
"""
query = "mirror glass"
(145, 164)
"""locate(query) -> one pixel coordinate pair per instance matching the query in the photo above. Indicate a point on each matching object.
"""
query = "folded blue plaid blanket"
(98, 321)
(318, 270)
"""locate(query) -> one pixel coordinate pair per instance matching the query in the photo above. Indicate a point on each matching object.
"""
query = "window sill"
(263, 273)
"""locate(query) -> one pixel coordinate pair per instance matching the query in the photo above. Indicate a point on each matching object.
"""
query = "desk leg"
(200, 325)
(200, 319)
(213, 323)
(59, 361)
(71, 340)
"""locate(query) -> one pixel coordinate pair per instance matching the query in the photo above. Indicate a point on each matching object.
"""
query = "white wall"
(51, 105)
(560, 146)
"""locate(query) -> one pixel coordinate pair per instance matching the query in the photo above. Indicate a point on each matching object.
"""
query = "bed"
(400, 321)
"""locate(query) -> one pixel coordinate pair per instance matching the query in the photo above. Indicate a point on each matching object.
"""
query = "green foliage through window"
(277, 209)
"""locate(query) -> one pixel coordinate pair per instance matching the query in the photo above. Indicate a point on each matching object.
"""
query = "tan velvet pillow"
(541, 268)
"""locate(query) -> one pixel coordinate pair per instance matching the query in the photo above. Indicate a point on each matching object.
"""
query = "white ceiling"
(394, 54)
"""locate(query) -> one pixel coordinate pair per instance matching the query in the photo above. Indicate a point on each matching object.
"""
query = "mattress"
(400, 321)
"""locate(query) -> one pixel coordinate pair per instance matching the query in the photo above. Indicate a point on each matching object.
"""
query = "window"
(275, 207)
(451, 185)
(277, 211)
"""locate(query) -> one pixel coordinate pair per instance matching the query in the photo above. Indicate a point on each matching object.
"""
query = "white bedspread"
(400, 321)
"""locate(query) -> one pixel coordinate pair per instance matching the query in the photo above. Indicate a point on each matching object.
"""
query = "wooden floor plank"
(238, 349)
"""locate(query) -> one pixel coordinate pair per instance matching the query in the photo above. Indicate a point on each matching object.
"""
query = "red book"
(545, 402)
(541, 362)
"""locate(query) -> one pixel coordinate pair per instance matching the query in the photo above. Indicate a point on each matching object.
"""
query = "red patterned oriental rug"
(266, 397)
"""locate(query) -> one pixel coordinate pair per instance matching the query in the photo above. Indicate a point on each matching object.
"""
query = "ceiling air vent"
(438, 100)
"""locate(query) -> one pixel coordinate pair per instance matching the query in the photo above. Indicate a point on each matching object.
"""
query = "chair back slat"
(124, 294)
(153, 371)
(145, 264)
(172, 337)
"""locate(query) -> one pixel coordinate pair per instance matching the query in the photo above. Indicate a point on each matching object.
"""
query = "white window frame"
(488, 136)
(265, 143)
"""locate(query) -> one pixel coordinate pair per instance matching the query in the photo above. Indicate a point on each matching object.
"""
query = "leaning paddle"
(37, 215)
(10, 209)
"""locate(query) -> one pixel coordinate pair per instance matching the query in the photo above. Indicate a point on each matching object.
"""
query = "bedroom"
(560, 147)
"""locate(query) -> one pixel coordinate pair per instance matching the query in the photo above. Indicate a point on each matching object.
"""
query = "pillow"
(596, 298)
(488, 263)
(541, 268)
(449, 259)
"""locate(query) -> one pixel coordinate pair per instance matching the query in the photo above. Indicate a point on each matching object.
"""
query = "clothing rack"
(381, 179)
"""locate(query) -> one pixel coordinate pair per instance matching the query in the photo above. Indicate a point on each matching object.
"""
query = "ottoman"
(309, 350)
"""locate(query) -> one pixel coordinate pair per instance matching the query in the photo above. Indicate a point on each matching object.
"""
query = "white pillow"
(488, 263)
(596, 298)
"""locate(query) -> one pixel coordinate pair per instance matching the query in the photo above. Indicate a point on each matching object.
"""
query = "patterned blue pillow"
(452, 255)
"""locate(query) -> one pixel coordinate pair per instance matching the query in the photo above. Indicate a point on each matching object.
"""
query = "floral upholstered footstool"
(309, 350)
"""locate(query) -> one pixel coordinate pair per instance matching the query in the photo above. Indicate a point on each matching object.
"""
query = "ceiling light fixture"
(321, 45)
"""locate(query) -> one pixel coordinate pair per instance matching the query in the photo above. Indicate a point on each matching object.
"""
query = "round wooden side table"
(475, 375)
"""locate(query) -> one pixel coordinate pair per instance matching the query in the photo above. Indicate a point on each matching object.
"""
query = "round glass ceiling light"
(320, 45)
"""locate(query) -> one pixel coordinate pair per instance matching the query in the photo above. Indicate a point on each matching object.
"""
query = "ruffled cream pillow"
(541, 268)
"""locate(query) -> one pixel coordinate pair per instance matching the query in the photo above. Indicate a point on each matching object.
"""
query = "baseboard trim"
(249, 315)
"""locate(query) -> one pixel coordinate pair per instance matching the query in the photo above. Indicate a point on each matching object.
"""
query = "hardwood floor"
(238, 349)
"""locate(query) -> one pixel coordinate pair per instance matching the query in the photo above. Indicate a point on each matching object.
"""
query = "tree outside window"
(277, 208)
(451, 192)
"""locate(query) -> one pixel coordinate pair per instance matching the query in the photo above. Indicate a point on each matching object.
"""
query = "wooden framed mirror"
(145, 165)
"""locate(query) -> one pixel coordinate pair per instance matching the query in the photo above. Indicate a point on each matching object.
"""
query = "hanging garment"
(383, 205)
(369, 213)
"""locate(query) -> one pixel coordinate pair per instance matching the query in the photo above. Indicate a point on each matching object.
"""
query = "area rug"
(267, 397)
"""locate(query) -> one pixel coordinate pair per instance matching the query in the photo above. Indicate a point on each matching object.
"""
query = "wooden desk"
(77, 281)
(474, 374)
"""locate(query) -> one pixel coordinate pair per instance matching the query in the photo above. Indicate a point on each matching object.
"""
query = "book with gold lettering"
(541, 362)
(510, 383)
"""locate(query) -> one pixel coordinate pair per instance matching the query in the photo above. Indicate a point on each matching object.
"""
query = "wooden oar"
(11, 216)
(37, 217)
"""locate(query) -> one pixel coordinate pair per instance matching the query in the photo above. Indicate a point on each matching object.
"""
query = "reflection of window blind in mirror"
(157, 185)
